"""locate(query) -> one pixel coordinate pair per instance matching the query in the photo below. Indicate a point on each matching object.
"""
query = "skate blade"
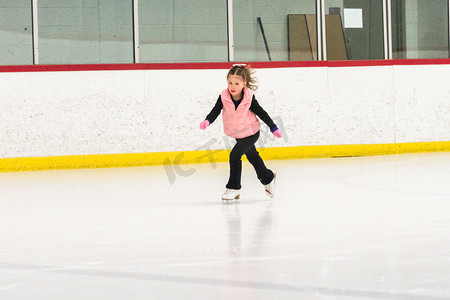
(269, 194)
(231, 201)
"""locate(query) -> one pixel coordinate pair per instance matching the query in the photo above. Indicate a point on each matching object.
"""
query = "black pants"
(247, 146)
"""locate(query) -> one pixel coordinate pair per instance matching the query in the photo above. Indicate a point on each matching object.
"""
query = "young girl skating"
(240, 109)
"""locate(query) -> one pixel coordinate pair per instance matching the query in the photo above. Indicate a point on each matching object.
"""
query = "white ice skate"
(270, 188)
(231, 195)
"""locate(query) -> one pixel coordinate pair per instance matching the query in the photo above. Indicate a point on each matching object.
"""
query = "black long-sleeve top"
(254, 107)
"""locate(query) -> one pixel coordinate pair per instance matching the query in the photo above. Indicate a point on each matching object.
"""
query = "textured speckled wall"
(103, 112)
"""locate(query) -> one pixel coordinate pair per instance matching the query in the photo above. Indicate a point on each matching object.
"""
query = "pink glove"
(204, 124)
(278, 133)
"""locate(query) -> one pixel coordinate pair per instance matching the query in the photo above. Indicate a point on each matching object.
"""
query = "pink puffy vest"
(241, 122)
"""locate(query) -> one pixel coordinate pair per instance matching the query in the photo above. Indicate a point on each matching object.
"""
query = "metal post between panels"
(385, 30)
(35, 31)
(389, 28)
(230, 32)
(136, 31)
(318, 30)
(323, 29)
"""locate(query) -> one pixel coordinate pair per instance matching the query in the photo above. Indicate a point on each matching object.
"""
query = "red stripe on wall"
(220, 65)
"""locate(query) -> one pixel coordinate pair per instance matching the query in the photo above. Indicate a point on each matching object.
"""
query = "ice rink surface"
(343, 228)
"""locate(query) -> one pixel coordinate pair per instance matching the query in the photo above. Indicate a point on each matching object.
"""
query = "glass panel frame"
(420, 30)
(118, 38)
(182, 31)
(85, 32)
(262, 31)
(354, 29)
(16, 39)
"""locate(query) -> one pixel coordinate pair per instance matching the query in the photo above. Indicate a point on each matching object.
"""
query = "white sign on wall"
(353, 18)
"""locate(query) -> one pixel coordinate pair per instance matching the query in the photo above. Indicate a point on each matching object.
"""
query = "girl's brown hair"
(246, 73)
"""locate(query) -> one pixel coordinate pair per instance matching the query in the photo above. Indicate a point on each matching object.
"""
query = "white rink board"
(422, 103)
(135, 111)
